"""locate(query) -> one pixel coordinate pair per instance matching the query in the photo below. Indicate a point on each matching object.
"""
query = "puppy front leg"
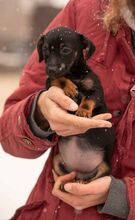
(86, 108)
(69, 88)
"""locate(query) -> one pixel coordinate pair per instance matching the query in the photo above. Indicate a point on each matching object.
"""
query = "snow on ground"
(17, 178)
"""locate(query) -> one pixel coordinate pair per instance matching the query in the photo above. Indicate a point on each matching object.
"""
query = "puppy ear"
(39, 48)
(88, 45)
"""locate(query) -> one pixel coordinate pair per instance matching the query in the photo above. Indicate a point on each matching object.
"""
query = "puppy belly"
(85, 164)
(60, 169)
(81, 159)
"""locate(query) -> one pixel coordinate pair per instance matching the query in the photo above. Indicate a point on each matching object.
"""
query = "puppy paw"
(86, 108)
(70, 89)
(81, 112)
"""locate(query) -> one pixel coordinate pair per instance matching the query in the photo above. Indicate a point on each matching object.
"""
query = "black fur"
(65, 52)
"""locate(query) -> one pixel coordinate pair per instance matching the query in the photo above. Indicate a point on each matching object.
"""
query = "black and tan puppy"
(65, 52)
(62, 49)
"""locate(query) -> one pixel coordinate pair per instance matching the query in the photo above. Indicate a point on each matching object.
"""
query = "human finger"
(57, 95)
(87, 123)
(62, 180)
(55, 176)
(105, 116)
(80, 125)
(95, 187)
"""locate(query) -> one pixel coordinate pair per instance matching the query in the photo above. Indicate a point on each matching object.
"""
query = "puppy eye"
(66, 50)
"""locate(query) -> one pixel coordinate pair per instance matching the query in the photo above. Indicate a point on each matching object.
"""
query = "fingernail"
(109, 116)
(67, 187)
(73, 106)
(109, 125)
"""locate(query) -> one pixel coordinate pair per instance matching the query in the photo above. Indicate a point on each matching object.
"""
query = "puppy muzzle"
(56, 71)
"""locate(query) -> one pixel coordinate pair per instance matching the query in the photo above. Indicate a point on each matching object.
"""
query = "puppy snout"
(56, 69)
(53, 69)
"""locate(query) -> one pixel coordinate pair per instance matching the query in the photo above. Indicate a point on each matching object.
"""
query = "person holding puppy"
(34, 119)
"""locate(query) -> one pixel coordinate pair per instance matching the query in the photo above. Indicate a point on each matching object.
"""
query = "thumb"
(57, 95)
(95, 187)
(55, 176)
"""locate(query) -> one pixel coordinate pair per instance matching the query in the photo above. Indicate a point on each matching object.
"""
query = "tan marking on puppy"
(56, 161)
(86, 108)
(103, 168)
(69, 88)
(88, 83)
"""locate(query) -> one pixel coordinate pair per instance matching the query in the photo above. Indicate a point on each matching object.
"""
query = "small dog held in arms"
(89, 154)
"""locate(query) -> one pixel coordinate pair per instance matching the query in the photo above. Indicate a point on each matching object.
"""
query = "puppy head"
(61, 48)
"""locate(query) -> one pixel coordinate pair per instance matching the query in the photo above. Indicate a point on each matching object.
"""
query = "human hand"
(54, 104)
(81, 196)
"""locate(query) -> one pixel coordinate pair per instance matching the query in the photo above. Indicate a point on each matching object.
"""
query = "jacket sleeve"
(16, 136)
(116, 203)
(40, 127)
(121, 199)
(130, 185)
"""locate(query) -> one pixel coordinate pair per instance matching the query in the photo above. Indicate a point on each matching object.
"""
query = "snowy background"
(20, 24)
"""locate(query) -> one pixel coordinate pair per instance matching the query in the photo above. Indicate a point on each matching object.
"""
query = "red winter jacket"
(114, 62)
